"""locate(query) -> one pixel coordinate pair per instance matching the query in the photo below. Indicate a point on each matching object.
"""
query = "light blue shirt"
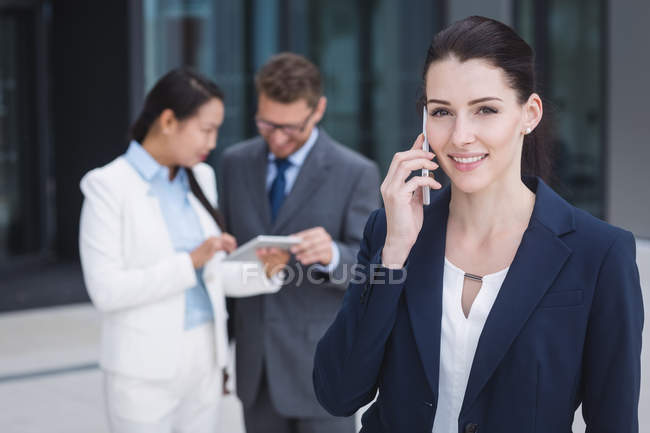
(182, 223)
(297, 159)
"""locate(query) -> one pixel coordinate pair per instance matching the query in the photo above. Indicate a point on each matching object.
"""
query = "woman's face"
(475, 124)
(195, 137)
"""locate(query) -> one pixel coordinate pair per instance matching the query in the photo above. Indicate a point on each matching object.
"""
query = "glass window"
(178, 32)
(20, 210)
(568, 37)
(336, 45)
(207, 35)
(370, 54)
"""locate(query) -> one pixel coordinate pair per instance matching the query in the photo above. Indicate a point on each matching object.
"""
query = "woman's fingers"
(401, 158)
(230, 243)
(414, 152)
(407, 167)
(403, 172)
(225, 242)
(402, 167)
(230, 238)
(419, 181)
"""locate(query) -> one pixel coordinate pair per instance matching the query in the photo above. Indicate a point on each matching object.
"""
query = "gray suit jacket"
(336, 189)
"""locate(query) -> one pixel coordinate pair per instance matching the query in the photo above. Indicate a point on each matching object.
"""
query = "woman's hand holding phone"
(403, 202)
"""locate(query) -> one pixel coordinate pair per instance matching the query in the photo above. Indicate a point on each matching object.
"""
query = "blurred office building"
(73, 74)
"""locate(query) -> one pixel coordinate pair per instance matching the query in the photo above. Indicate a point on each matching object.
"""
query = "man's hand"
(315, 247)
(273, 260)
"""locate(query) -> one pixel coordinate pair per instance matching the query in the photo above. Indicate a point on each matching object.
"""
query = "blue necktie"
(276, 194)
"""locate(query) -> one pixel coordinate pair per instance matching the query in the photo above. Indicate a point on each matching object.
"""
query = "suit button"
(471, 428)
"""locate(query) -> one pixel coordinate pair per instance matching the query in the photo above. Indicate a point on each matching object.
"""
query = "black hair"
(487, 39)
(182, 90)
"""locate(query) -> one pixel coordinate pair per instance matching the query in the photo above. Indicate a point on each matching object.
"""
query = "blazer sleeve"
(612, 356)
(113, 285)
(241, 279)
(363, 200)
(349, 356)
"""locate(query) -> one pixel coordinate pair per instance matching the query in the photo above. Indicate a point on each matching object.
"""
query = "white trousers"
(189, 402)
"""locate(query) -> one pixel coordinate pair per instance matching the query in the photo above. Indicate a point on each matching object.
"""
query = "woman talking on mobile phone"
(151, 248)
(499, 307)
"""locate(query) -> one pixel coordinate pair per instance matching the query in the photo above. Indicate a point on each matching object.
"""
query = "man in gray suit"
(293, 179)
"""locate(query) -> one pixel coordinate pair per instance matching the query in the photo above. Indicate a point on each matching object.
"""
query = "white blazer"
(137, 280)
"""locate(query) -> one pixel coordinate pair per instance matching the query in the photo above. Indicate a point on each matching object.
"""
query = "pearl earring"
(527, 131)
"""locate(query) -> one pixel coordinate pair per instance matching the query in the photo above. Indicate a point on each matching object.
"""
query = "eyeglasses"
(265, 127)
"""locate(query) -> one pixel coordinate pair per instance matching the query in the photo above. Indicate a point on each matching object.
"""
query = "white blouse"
(458, 341)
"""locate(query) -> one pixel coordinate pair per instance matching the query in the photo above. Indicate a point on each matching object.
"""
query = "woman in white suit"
(152, 249)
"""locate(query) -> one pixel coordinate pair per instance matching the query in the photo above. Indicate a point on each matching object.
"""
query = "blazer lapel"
(310, 178)
(540, 257)
(423, 289)
(256, 183)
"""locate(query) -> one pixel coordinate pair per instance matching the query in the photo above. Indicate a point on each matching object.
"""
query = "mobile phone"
(426, 198)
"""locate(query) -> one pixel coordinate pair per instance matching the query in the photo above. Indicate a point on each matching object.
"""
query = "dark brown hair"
(490, 40)
(288, 77)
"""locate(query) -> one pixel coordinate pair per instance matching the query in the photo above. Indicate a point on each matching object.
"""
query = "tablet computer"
(246, 252)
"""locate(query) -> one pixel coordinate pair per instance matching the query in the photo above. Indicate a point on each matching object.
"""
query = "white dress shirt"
(458, 341)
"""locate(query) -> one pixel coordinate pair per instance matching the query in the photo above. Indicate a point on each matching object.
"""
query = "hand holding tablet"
(248, 251)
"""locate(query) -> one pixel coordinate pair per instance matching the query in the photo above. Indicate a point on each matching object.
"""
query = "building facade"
(73, 75)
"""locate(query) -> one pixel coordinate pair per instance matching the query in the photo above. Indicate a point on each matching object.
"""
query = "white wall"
(628, 138)
(628, 148)
(643, 261)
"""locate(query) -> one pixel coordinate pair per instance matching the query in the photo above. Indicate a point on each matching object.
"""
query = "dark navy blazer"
(565, 329)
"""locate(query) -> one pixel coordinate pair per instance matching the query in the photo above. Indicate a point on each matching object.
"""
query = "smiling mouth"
(468, 160)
